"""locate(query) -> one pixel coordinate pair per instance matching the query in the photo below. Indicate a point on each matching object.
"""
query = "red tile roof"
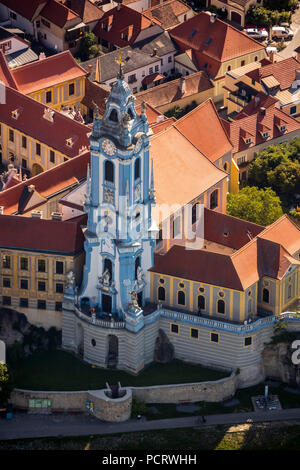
(253, 121)
(229, 231)
(26, 8)
(177, 166)
(45, 73)
(50, 182)
(217, 41)
(240, 270)
(42, 235)
(168, 12)
(87, 11)
(57, 13)
(283, 71)
(204, 129)
(31, 122)
(285, 232)
(122, 20)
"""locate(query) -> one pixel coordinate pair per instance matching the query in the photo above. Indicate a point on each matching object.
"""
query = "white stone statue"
(71, 279)
(139, 275)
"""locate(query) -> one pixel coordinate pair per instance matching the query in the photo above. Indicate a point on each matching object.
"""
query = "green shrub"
(139, 407)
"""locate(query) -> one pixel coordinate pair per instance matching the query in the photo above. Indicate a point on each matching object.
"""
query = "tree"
(278, 167)
(86, 43)
(260, 206)
(6, 385)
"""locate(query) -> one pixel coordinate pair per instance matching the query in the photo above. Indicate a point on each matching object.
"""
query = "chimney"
(271, 56)
(56, 215)
(31, 188)
(1, 210)
(119, 5)
(182, 85)
(213, 17)
(160, 118)
(154, 54)
(263, 110)
(37, 214)
(90, 69)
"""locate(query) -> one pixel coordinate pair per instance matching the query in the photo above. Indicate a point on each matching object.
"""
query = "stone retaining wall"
(216, 391)
(119, 409)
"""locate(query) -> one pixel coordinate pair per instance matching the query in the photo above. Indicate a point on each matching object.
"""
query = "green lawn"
(60, 370)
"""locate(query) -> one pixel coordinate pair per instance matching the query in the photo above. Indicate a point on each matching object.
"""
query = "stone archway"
(112, 351)
(80, 340)
(36, 169)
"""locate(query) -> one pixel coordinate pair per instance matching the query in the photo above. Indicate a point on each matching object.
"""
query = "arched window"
(113, 116)
(221, 306)
(255, 58)
(161, 293)
(213, 201)
(266, 295)
(181, 298)
(109, 171)
(289, 291)
(228, 68)
(137, 169)
(225, 166)
(201, 302)
(108, 266)
(137, 264)
(194, 212)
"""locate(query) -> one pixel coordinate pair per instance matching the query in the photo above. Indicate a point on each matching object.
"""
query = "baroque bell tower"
(119, 241)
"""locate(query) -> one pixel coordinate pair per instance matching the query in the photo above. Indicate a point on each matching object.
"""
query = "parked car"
(282, 32)
(256, 33)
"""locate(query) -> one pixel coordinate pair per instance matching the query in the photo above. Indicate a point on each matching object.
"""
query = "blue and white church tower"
(119, 242)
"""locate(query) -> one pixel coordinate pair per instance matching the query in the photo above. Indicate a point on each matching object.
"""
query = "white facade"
(17, 21)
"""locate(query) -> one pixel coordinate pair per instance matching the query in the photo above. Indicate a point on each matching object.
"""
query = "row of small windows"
(24, 302)
(24, 144)
(24, 264)
(41, 285)
(182, 301)
(214, 337)
(109, 170)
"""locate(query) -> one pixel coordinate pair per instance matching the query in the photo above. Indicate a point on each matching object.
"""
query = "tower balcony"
(97, 317)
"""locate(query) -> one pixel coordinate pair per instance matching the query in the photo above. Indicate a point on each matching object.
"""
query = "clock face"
(138, 145)
(109, 147)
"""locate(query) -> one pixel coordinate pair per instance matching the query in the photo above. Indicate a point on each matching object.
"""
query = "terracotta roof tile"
(284, 72)
(26, 8)
(31, 122)
(203, 127)
(252, 121)
(6, 75)
(120, 20)
(167, 13)
(258, 258)
(41, 235)
(87, 11)
(284, 232)
(45, 73)
(170, 92)
(177, 166)
(47, 183)
(217, 40)
(57, 13)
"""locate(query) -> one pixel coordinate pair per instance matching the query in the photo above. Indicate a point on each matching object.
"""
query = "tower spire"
(98, 71)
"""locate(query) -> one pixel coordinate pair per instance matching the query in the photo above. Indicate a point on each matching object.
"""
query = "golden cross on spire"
(121, 63)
